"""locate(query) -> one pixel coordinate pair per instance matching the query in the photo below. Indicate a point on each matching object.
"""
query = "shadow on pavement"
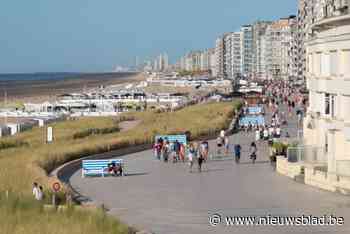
(256, 162)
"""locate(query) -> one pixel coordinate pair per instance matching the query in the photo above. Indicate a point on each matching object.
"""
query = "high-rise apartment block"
(199, 61)
(259, 49)
(247, 50)
(281, 49)
(264, 50)
(161, 63)
(219, 56)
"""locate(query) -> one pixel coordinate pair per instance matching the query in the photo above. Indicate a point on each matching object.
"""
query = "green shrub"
(280, 148)
(12, 143)
(95, 131)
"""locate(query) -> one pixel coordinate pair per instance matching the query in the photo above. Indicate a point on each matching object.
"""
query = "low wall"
(286, 168)
(318, 179)
(327, 181)
(343, 184)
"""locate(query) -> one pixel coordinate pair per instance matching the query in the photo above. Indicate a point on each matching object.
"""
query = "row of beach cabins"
(113, 103)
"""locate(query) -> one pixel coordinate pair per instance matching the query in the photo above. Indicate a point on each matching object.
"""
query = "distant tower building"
(155, 65)
(137, 62)
(166, 61)
(160, 63)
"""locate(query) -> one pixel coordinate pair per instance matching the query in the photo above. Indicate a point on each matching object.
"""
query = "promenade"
(167, 199)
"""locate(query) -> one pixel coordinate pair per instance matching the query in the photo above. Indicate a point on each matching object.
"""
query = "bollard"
(54, 199)
(7, 194)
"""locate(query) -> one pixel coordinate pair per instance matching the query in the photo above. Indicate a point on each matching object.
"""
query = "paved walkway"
(167, 199)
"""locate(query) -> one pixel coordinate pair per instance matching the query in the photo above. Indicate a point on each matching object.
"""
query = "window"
(333, 101)
(345, 63)
(333, 63)
(327, 104)
(317, 64)
(310, 67)
(330, 105)
(325, 64)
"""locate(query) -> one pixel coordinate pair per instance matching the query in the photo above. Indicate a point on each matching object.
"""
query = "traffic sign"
(56, 187)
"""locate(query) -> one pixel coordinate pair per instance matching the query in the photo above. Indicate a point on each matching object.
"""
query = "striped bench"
(255, 110)
(99, 167)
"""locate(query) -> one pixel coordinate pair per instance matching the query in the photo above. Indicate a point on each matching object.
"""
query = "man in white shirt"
(35, 189)
(222, 134)
(37, 192)
(278, 132)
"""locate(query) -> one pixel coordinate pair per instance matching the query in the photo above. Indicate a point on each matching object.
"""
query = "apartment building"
(259, 48)
(281, 49)
(236, 54)
(227, 51)
(327, 124)
(219, 56)
(198, 61)
(247, 50)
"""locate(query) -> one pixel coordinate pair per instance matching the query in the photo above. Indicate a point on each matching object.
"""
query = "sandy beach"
(41, 90)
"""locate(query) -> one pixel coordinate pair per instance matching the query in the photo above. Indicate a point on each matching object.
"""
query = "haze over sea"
(53, 76)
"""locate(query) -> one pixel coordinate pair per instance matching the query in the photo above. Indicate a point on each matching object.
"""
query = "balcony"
(330, 22)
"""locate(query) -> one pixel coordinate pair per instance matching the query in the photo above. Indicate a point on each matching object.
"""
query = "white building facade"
(327, 124)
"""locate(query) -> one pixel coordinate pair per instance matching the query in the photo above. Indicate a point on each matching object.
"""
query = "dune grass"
(20, 166)
(18, 216)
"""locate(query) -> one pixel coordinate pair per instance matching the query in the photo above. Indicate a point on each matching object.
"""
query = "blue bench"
(99, 167)
(255, 110)
(172, 138)
(252, 120)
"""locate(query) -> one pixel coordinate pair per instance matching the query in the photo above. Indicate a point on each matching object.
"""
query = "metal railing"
(307, 154)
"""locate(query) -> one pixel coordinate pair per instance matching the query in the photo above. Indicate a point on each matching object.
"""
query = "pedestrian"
(219, 144)
(35, 189)
(157, 150)
(204, 149)
(300, 117)
(253, 152)
(166, 151)
(278, 132)
(191, 155)
(237, 153)
(257, 135)
(200, 162)
(222, 133)
(40, 195)
(227, 145)
(182, 152)
(176, 151)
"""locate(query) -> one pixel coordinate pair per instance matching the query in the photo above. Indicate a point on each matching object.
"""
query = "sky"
(96, 35)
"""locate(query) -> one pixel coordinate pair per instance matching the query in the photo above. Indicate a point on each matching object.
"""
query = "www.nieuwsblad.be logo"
(269, 220)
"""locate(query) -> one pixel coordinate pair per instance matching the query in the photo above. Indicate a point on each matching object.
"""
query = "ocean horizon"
(37, 76)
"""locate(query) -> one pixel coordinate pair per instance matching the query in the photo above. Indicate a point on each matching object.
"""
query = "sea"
(55, 76)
